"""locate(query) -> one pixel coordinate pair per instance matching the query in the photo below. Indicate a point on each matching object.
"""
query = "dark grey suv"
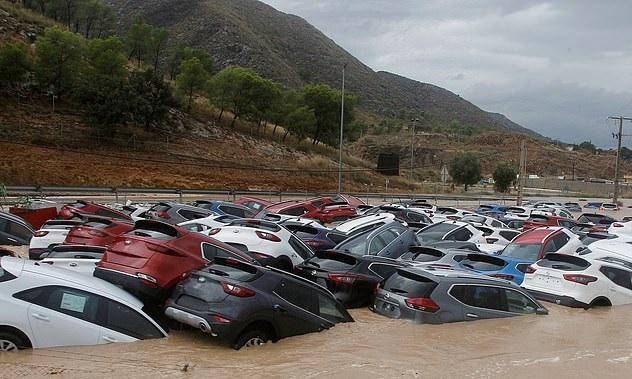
(435, 296)
(247, 305)
(175, 213)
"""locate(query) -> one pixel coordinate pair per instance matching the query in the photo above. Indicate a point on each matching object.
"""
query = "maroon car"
(97, 232)
(69, 211)
(537, 221)
(151, 258)
(323, 209)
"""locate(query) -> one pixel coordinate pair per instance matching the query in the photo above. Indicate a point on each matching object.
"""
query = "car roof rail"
(256, 223)
(157, 226)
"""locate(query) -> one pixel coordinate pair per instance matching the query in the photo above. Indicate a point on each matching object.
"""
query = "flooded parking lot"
(567, 342)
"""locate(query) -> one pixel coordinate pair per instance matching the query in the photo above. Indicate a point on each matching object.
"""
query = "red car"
(322, 209)
(153, 257)
(70, 210)
(536, 221)
(97, 232)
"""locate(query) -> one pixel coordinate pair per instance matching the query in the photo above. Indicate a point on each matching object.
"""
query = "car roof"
(97, 285)
(537, 235)
(347, 226)
(438, 274)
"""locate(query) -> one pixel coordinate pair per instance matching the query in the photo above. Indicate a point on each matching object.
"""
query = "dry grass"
(26, 15)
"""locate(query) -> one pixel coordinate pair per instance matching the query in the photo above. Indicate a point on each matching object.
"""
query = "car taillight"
(617, 225)
(530, 270)
(259, 256)
(423, 304)
(96, 233)
(213, 231)
(267, 236)
(40, 233)
(348, 279)
(220, 320)
(238, 291)
(502, 276)
(163, 214)
(453, 218)
(579, 278)
(313, 243)
(147, 279)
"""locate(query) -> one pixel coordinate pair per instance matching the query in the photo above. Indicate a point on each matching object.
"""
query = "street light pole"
(342, 122)
(412, 151)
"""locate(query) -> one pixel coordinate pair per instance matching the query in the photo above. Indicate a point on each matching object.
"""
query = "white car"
(547, 211)
(617, 247)
(362, 224)
(78, 258)
(207, 223)
(426, 208)
(449, 213)
(52, 233)
(518, 213)
(136, 212)
(620, 228)
(477, 219)
(267, 242)
(500, 236)
(451, 231)
(43, 306)
(580, 281)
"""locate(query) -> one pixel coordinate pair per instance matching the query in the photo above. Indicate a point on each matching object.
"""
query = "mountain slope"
(288, 49)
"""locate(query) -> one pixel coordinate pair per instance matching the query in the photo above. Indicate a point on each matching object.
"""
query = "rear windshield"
(538, 219)
(563, 262)
(594, 219)
(150, 234)
(332, 261)
(336, 237)
(473, 218)
(435, 232)
(237, 272)
(522, 251)
(427, 255)
(409, 285)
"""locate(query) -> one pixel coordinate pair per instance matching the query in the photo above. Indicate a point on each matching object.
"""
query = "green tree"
(301, 122)
(15, 64)
(191, 79)
(326, 103)
(105, 57)
(465, 169)
(233, 89)
(137, 39)
(588, 146)
(157, 42)
(59, 58)
(151, 98)
(504, 176)
(182, 53)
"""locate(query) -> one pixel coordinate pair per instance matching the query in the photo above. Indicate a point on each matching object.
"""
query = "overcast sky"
(559, 67)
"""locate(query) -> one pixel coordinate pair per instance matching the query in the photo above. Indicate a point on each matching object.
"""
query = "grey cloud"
(558, 67)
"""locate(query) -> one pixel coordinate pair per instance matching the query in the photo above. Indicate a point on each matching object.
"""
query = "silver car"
(435, 296)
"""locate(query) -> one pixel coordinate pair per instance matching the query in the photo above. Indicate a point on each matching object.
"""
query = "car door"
(619, 287)
(480, 301)
(296, 308)
(62, 316)
(123, 324)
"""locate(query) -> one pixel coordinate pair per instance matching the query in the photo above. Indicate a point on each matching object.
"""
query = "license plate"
(548, 280)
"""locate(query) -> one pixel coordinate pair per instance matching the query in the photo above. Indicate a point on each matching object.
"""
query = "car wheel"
(10, 342)
(252, 338)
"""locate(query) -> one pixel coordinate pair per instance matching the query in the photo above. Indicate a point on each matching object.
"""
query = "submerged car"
(246, 305)
(436, 296)
(175, 213)
(356, 266)
(70, 210)
(581, 282)
(153, 257)
(78, 258)
(51, 234)
(97, 232)
(225, 208)
(450, 231)
(14, 230)
(44, 306)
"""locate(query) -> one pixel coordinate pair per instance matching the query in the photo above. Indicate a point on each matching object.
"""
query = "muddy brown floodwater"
(566, 343)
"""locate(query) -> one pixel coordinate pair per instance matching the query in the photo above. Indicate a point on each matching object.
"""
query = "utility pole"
(618, 136)
(412, 152)
(342, 123)
(523, 171)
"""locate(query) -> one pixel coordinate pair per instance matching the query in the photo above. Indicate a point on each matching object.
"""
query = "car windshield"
(474, 218)
(435, 232)
(593, 219)
(522, 251)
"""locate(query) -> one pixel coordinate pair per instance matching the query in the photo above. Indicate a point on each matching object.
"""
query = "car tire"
(11, 342)
(251, 338)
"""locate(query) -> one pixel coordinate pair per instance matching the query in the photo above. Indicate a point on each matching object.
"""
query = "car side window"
(124, 319)
(617, 276)
(561, 240)
(72, 302)
(329, 309)
(415, 217)
(18, 230)
(519, 303)
(298, 295)
(210, 252)
(190, 215)
(377, 244)
(462, 234)
(550, 246)
(300, 249)
(487, 297)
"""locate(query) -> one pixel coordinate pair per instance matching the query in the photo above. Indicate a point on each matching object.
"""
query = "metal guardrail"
(67, 191)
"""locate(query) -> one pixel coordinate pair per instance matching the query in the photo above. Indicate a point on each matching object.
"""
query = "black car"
(14, 230)
(354, 268)
(247, 305)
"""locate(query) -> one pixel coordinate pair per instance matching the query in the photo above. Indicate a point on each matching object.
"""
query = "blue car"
(492, 210)
(225, 208)
(508, 268)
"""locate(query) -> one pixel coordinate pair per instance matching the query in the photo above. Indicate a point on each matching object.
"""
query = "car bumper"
(190, 319)
(133, 285)
(558, 299)
(226, 332)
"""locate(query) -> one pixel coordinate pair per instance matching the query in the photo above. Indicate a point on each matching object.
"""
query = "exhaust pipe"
(203, 327)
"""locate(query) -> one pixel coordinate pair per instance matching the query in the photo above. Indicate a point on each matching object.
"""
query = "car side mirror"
(542, 311)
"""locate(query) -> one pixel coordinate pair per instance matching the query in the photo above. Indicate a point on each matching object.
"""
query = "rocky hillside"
(288, 49)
